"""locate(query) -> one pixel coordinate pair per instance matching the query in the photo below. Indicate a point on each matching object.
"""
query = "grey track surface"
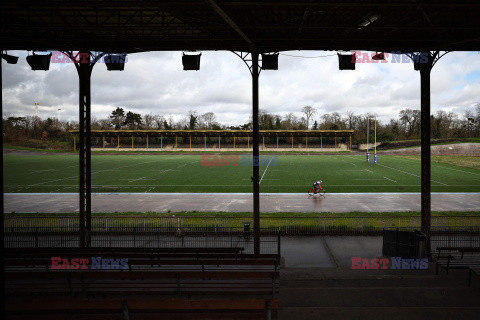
(63, 203)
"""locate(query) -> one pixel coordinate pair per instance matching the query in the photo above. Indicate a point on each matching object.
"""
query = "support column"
(190, 142)
(74, 143)
(256, 154)
(84, 69)
(233, 141)
(176, 141)
(118, 142)
(292, 142)
(103, 142)
(306, 142)
(132, 141)
(161, 142)
(205, 139)
(147, 142)
(218, 142)
(321, 143)
(335, 142)
(425, 148)
(277, 142)
(350, 142)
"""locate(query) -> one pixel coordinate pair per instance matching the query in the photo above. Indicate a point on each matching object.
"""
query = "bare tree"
(208, 119)
(309, 111)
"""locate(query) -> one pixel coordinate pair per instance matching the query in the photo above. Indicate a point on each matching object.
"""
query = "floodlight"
(379, 56)
(369, 20)
(269, 61)
(10, 59)
(39, 61)
(346, 61)
(115, 62)
(191, 61)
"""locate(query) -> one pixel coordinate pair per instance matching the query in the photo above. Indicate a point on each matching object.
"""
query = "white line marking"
(367, 179)
(369, 171)
(390, 179)
(441, 165)
(410, 173)
(35, 171)
(271, 158)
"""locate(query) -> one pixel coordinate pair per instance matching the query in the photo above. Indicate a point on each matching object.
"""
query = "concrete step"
(379, 297)
(391, 313)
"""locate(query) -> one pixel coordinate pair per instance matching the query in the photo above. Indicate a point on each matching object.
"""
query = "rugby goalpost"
(368, 139)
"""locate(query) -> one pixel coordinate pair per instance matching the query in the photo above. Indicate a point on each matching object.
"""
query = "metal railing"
(144, 237)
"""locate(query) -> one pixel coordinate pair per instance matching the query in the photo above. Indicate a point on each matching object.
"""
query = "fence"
(145, 237)
(320, 225)
(440, 236)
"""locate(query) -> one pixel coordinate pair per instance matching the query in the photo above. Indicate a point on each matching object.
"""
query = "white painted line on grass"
(265, 170)
(390, 179)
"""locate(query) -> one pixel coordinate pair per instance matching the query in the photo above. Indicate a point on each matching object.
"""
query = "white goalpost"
(368, 140)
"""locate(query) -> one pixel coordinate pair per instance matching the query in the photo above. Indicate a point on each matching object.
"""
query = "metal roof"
(270, 26)
(221, 132)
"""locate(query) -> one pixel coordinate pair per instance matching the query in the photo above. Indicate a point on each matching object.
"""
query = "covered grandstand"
(219, 140)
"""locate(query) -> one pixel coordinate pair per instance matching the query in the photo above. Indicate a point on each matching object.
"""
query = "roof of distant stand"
(224, 133)
(270, 26)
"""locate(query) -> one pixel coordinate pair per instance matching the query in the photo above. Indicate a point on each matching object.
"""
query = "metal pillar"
(256, 154)
(425, 148)
(84, 69)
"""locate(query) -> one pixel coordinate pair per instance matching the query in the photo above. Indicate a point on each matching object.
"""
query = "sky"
(154, 82)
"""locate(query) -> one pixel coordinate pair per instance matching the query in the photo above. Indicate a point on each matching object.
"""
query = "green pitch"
(185, 173)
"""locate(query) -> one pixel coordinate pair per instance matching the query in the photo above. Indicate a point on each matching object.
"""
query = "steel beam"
(425, 150)
(84, 69)
(256, 154)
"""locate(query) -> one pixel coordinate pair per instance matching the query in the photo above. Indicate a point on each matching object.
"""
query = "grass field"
(185, 173)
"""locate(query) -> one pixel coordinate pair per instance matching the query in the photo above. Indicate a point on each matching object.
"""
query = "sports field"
(185, 173)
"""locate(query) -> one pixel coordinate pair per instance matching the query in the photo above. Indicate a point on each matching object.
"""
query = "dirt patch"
(458, 149)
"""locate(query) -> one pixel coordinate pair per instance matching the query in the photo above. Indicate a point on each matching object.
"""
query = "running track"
(236, 202)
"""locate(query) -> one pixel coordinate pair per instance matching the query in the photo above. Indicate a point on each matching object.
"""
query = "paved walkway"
(235, 202)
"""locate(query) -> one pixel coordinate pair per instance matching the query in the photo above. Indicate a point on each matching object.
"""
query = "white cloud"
(154, 82)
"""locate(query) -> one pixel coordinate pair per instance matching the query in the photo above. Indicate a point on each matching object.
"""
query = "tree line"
(405, 127)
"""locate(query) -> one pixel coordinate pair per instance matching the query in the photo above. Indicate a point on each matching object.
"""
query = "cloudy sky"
(154, 82)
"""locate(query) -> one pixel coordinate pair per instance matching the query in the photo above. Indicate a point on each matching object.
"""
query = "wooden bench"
(472, 263)
(136, 308)
(462, 250)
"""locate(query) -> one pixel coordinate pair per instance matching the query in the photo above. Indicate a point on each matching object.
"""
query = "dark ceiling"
(159, 25)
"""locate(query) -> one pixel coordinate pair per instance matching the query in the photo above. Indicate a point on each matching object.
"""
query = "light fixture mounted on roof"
(115, 62)
(39, 61)
(270, 61)
(191, 61)
(371, 19)
(10, 59)
(346, 61)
